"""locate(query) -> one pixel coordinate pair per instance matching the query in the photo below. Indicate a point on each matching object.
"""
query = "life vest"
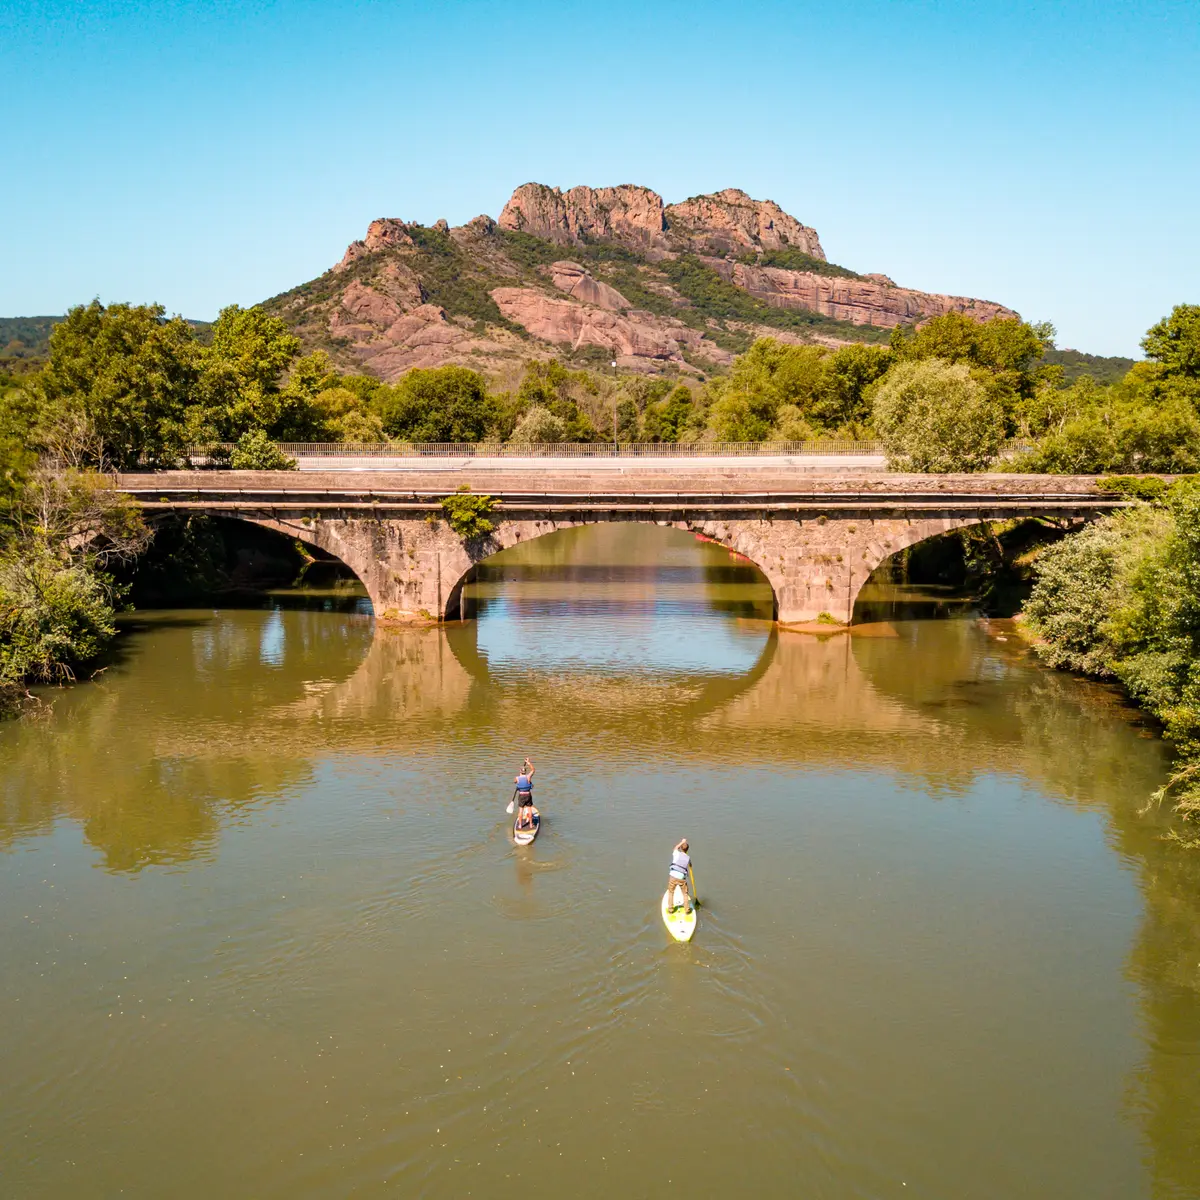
(679, 864)
(524, 786)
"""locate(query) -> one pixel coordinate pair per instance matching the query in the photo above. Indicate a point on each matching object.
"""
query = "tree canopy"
(933, 416)
(130, 372)
(440, 404)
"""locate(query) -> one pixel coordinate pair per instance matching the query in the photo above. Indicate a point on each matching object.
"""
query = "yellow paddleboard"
(680, 923)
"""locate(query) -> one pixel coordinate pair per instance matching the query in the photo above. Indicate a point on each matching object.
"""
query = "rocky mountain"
(596, 275)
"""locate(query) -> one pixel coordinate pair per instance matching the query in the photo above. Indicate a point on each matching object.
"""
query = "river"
(265, 932)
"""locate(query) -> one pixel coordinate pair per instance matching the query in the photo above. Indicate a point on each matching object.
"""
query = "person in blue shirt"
(524, 782)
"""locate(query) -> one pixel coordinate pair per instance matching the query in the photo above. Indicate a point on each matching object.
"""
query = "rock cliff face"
(632, 338)
(627, 214)
(692, 284)
(579, 284)
(872, 300)
(636, 217)
(729, 222)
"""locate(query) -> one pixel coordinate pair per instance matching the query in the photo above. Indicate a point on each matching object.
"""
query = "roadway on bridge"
(816, 464)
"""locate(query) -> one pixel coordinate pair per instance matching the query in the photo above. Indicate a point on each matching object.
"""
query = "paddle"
(692, 879)
(512, 802)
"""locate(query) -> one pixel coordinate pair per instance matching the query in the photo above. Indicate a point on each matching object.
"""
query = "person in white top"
(677, 877)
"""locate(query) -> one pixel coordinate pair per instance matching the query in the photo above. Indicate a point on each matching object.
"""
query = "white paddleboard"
(525, 837)
(680, 923)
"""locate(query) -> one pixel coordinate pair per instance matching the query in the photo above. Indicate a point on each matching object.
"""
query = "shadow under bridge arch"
(934, 568)
(324, 541)
(665, 558)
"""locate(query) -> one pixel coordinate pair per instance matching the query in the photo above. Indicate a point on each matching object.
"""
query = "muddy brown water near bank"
(264, 933)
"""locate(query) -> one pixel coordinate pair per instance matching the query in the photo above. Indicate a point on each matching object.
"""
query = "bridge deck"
(548, 485)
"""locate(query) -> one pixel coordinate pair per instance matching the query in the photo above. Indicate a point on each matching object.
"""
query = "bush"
(1079, 582)
(539, 425)
(55, 616)
(933, 416)
(256, 452)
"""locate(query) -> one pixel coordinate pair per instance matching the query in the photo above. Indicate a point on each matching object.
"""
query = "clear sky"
(200, 153)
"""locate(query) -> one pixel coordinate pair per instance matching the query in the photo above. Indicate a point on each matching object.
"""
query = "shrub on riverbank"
(1121, 600)
(61, 528)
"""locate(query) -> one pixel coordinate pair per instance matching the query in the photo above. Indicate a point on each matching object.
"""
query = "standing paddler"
(524, 782)
(678, 876)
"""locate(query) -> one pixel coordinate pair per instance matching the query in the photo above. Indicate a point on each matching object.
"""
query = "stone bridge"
(816, 538)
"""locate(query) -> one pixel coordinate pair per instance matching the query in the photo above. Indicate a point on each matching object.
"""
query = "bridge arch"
(510, 533)
(326, 536)
(908, 539)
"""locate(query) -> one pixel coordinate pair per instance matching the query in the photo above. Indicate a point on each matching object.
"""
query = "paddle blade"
(509, 808)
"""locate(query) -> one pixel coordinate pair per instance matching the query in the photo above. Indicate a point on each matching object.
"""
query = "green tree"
(932, 416)
(439, 404)
(1174, 342)
(739, 415)
(551, 386)
(242, 382)
(667, 420)
(1137, 425)
(1001, 344)
(19, 418)
(849, 372)
(1003, 353)
(130, 373)
(627, 419)
(778, 389)
(344, 416)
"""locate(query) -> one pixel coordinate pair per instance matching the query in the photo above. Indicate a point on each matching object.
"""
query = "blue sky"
(197, 154)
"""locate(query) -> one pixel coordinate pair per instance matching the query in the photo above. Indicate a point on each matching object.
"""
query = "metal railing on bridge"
(219, 453)
(222, 450)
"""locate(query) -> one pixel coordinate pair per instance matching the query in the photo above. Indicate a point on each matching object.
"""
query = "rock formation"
(409, 296)
(385, 234)
(872, 300)
(730, 221)
(636, 217)
(630, 336)
(579, 283)
(627, 214)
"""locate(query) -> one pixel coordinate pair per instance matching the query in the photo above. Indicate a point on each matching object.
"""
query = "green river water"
(264, 932)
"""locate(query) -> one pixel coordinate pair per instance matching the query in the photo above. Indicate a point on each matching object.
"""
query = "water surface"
(265, 934)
